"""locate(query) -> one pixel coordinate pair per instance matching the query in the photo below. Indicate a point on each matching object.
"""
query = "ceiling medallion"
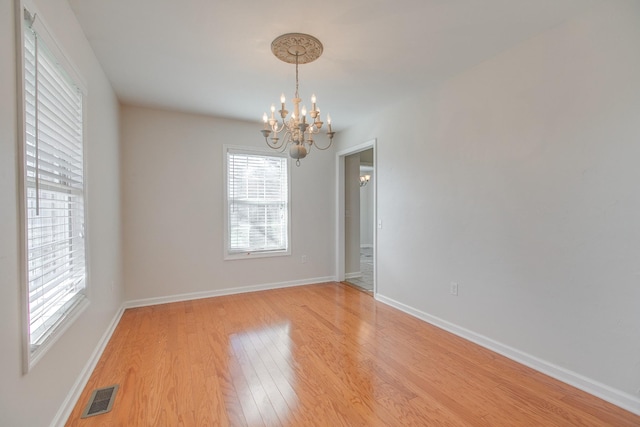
(295, 48)
(292, 46)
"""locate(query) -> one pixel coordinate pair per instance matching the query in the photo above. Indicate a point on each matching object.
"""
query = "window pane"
(257, 202)
(53, 176)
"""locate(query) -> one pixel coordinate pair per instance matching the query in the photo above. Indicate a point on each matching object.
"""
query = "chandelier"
(297, 131)
(364, 180)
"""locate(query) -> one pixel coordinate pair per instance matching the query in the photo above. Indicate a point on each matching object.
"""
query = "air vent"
(101, 401)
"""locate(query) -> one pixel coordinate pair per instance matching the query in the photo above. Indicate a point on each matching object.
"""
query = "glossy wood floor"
(325, 355)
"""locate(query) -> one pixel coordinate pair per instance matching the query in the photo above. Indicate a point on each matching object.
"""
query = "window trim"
(30, 358)
(257, 254)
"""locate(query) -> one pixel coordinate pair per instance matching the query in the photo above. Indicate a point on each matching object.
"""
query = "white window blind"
(53, 181)
(257, 203)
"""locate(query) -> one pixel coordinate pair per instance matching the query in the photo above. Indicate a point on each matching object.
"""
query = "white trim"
(340, 210)
(355, 275)
(56, 332)
(70, 401)
(227, 291)
(366, 245)
(29, 358)
(76, 390)
(616, 397)
(619, 398)
(227, 256)
(22, 187)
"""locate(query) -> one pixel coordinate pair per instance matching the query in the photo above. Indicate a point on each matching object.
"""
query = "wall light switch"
(379, 223)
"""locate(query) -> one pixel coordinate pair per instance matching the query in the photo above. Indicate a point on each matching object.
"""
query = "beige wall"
(521, 184)
(173, 208)
(34, 399)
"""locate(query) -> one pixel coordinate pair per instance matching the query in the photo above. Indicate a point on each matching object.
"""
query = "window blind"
(257, 202)
(53, 176)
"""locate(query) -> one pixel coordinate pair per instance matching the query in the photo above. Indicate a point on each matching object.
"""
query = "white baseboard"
(617, 397)
(70, 401)
(221, 292)
(76, 390)
(356, 275)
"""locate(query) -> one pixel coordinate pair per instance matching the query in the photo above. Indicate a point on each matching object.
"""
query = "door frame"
(340, 209)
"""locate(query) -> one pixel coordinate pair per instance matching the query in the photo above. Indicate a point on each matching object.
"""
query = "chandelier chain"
(297, 96)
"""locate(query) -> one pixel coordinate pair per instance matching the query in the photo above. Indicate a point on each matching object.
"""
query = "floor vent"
(101, 401)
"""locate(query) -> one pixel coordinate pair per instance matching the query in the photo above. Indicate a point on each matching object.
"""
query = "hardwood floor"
(318, 355)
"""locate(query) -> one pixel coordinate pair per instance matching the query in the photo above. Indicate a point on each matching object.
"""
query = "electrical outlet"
(379, 223)
(453, 288)
(303, 259)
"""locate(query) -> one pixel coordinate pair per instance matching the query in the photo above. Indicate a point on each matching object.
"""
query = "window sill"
(33, 357)
(251, 255)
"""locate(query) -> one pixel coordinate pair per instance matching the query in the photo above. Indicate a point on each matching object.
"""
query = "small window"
(53, 191)
(257, 199)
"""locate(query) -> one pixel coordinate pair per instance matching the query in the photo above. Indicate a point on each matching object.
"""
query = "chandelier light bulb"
(265, 118)
(364, 179)
(282, 99)
(273, 108)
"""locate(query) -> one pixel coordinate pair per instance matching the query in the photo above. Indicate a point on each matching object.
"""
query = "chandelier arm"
(283, 144)
(286, 141)
(275, 147)
(275, 127)
(282, 148)
(310, 146)
(325, 148)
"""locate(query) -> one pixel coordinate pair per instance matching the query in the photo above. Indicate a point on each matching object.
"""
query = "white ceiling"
(214, 57)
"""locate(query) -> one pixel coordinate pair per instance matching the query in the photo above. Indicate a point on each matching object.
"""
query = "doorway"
(356, 217)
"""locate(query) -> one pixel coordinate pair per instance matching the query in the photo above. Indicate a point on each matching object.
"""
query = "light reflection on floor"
(263, 358)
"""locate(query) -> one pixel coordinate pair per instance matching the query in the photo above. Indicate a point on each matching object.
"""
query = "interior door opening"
(357, 217)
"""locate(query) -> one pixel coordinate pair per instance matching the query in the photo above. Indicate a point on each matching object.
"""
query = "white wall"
(522, 184)
(34, 399)
(173, 208)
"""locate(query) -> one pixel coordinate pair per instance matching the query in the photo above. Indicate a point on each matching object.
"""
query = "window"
(53, 190)
(257, 196)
